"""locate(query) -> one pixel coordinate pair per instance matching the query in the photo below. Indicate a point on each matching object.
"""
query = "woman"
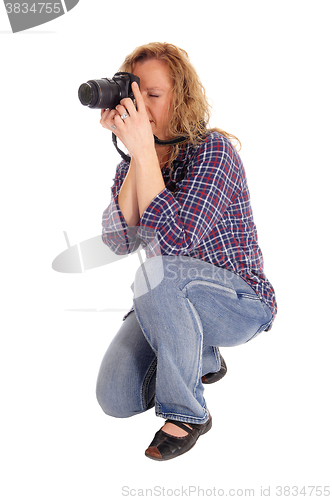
(202, 284)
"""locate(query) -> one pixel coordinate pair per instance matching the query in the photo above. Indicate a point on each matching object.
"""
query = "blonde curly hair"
(191, 109)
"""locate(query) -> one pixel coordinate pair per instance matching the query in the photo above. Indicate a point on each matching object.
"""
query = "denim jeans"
(184, 309)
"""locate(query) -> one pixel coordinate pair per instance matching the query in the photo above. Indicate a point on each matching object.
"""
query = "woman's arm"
(142, 184)
(117, 235)
(128, 202)
(149, 179)
(144, 181)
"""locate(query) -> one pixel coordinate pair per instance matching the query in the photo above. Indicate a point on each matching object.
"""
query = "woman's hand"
(132, 126)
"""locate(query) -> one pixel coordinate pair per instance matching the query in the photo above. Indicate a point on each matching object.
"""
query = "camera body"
(107, 92)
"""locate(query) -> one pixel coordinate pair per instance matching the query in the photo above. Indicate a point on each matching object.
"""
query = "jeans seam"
(147, 379)
(198, 321)
(217, 357)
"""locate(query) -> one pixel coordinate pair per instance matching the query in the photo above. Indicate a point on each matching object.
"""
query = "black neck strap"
(171, 142)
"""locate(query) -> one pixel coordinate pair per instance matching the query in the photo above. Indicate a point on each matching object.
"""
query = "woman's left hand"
(132, 126)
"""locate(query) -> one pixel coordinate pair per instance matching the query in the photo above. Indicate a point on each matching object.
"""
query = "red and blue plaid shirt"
(204, 212)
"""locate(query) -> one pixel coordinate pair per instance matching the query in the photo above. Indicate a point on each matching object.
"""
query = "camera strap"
(171, 142)
(124, 156)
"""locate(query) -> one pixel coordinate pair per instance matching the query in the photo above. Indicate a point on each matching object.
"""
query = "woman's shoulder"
(215, 138)
(215, 143)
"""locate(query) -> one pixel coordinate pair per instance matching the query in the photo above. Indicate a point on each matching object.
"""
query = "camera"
(107, 92)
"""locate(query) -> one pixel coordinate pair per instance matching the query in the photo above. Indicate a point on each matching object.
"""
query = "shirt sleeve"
(116, 234)
(181, 221)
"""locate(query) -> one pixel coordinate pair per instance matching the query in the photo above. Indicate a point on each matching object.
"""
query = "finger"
(122, 109)
(103, 115)
(138, 96)
(118, 121)
(107, 119)
(129, 106)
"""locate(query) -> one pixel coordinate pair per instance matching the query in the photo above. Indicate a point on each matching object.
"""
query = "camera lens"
(85, 94)
(102, 94)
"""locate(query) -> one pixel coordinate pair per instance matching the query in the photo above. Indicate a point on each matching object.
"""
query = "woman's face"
(156, 89)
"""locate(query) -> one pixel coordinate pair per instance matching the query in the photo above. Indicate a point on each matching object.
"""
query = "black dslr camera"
(107, 92)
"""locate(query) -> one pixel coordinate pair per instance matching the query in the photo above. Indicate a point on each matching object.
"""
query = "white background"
(266, 68)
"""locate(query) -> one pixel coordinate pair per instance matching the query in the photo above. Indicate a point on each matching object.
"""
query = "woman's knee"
(112, 400)
(124, 372)
(123, 393)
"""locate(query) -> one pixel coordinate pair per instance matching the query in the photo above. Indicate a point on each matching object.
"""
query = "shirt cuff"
(117, 235)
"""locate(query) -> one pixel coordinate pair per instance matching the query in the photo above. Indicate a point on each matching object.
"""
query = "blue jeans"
(184, 309)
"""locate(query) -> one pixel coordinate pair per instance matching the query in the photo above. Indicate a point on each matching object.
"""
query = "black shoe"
(164, 446)
(210, 378)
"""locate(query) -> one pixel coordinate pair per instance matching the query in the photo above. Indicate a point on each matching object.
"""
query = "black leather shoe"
(210, 378)
(164, 446)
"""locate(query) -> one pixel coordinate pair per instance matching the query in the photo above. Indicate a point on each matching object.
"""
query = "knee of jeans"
(111, 405)
(115, 400)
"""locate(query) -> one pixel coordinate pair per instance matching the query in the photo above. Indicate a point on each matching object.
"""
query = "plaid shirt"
(204, 212)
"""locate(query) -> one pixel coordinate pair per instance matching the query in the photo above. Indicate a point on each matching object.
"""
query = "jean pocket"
(250, 296)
